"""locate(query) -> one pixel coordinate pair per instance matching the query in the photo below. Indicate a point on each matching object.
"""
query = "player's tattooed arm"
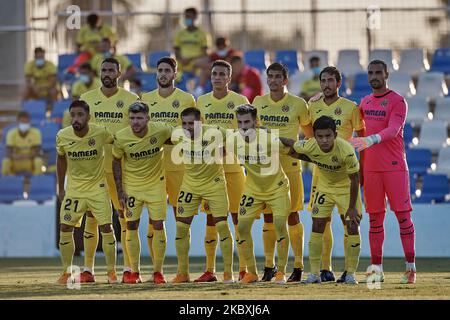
(117, 171)
(61, 169)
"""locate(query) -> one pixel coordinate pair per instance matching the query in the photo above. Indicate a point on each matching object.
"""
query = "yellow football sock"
(353, 250)
(90, 242)
(123, 237)
(296, 239)
(226, 245)
(242, 266)
(345, 247)
(210, 248)
(134, 249)
(159, 249)
(246, 243)
(66, 248)
(150, 235)
(182, 243)
(315, 251)
(269, 240)
(282, 243)
(109, 249)
(327, 247)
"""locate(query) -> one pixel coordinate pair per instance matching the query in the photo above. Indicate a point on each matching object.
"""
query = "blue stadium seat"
(412, 185)
(135, 59)
(441, 60)
(419, 160)
(11, 188)
(148, 80)
(153, 58)
(5, 131)
(51, 157)
(48, 134)
(435, 187)
(59, 107)
(42, 188)
(289, 58)
(361, 85)
(256, 59)
(65, 61)
(2, 155)
(307, 181)
(407, 134)
(37, 110)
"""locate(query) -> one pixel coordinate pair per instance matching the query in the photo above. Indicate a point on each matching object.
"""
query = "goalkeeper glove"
(362, 143)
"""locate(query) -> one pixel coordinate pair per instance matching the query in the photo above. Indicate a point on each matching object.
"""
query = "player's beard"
(165, 85)
(377, 84)
(78, 126)
(329, 94)
(112, 83)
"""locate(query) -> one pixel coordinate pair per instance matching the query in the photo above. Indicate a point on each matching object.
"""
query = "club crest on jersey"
(384, 103)
(285, 108)
(217, 179)
(334, 159)
(153, 140)
(230, 105)
(119, 104)
(180, 209)
(242, 211)
(315, 210)
(338, 111)
(67, 217)
(176, 103)
(91, 142)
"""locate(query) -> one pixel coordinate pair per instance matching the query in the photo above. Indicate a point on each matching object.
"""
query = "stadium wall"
(30, 231)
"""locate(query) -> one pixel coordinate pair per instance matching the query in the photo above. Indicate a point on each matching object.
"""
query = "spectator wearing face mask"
(312, 86)
(40, 78)
(224, 51)
(86, 81)
(23, 148)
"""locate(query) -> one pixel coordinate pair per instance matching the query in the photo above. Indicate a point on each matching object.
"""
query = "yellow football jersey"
(202, 156)
(85, 166)
(111, 113)
(221, 112)
(265, 175)
(78, 88)
(286, 115)
(168, 110)
(23, 145)
(88, 38)
(344, 112)
(334, 166)
(191, 44)
(97, 60)
(143, 165)
(40, 74)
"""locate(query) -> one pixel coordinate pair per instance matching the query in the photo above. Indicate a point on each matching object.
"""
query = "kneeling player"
(141, 147)
(338, 186)
(80, 153)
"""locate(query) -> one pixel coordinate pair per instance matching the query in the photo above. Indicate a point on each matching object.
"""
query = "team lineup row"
(137, 170)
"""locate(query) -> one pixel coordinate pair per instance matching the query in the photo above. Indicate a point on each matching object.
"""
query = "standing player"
(384, 112)
(166, 104)
(218, 108)
(203, 179)
(108, 105)
(80, 150)
(265, 184)
(348, 119)
(140, 146)
(283, 111)
(338, 185)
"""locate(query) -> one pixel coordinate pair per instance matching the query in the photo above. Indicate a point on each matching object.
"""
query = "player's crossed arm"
(294, 154)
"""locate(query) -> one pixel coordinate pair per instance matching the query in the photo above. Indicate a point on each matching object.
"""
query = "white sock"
(379, 266)
(88, 270)
(125, 269)
(411, 266)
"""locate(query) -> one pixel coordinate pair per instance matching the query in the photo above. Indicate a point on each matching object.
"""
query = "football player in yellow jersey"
(338, 186)
(140, 146)
(204, 179)
(166, 104)
(80, 150)
(266, 185)
(283, 111)
(109, 108)
(348, 119)
(218, 108)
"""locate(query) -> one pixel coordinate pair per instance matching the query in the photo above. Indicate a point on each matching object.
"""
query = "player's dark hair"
(222, 41)
(92, 19)
(79, 104)
(324, 122)
(136, 81)
(276, 66)
(235, 59)
(191, 110)
(379, 62)
(244, 109)
(191, 10)
(314, 59)
(222, 63)
(112, 60)
(85, 66)
(138, 106)
(333, 71)
(23, 114)
(170, 61)
(38, 50)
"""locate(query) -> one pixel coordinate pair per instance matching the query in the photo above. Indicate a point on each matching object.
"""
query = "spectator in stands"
(191, 46)
(311, 87)
(23, 148)
(224, 51)
(245, 79)
(105, 50)
(136, 86)
(86, 81)
(40, 78)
